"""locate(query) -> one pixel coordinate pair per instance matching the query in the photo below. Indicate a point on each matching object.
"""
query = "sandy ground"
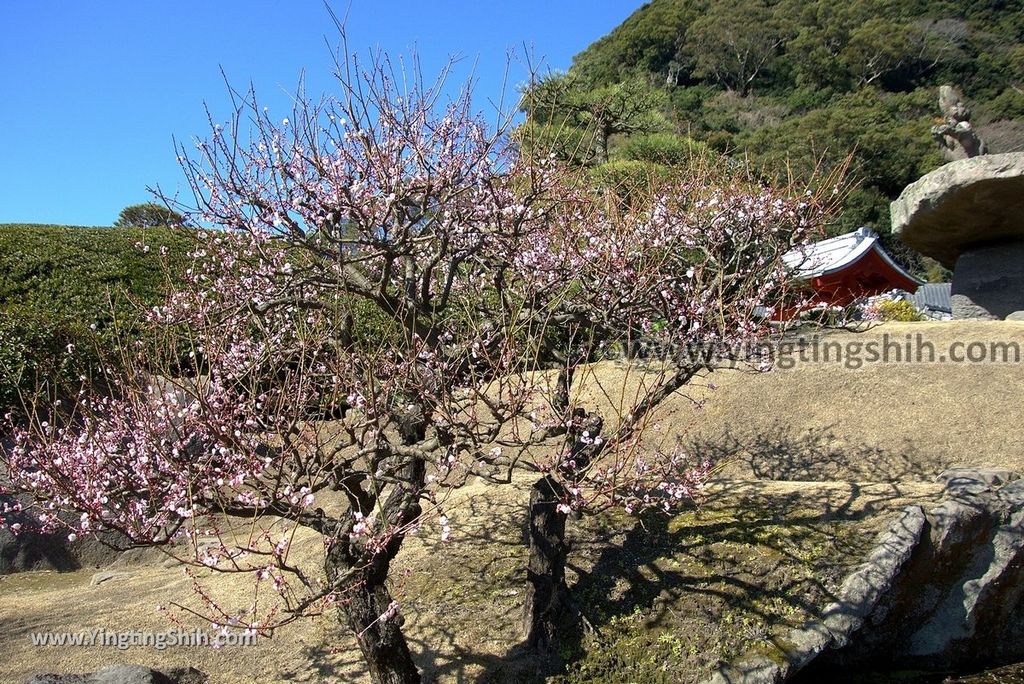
(815, 460)
(461, 601)
(881, 422)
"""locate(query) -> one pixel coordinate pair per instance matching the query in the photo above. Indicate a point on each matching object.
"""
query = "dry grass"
(879, 423)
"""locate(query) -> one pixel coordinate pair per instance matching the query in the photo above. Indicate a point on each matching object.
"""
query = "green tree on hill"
(147, 215)
(571, 118)
(735, 43)
(645, 42)
(61, 290)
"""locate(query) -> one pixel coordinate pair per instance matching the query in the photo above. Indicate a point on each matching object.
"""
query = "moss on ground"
(672, 598)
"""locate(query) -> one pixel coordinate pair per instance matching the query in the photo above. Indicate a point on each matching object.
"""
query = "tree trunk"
(601, 136)
(365, 607)
(545, 590)
(366, 604)
(380, 638)
(547, 596)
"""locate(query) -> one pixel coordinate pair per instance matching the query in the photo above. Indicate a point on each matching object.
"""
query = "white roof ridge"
(833, 254)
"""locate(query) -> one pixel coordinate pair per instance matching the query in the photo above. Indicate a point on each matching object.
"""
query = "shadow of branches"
(694, 588)
(783, 453)
(708, 584)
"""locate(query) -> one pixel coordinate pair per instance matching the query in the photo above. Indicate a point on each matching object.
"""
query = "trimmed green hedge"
(61, 287)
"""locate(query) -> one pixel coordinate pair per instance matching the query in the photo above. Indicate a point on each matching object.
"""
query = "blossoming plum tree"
(385, 302)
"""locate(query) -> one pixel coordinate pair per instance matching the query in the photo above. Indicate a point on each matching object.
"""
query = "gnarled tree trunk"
(545, 590)
(367, 612)
(547, 596)
(366, 605)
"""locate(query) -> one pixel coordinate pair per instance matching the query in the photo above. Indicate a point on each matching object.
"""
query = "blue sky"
(91, 92)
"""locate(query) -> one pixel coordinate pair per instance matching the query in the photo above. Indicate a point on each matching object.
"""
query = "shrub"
(63, 287)
(890, 307)
(40, 355)
(902, 310)
(664, 148)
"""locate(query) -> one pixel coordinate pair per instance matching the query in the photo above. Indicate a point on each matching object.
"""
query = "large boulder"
(963, 205)
(989, 282)
(969, 215)
(29, 550)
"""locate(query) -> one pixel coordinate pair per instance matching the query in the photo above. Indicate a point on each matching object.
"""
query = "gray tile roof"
(933, 297)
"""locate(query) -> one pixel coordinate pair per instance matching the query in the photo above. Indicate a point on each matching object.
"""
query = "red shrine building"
(848, 267)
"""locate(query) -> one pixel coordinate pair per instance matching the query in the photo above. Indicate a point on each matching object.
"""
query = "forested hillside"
(792, 85)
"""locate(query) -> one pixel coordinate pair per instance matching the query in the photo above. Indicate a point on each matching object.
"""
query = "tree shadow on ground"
(465, 599)
(818, 454)
(461, 620)
(761, 551)
(326, 663)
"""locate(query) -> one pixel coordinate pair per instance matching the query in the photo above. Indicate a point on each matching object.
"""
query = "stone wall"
(943, 589)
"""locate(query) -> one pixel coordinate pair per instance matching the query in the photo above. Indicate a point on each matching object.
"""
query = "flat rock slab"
(963, 205)
(942, 590)
(857, 598)
(126, 674)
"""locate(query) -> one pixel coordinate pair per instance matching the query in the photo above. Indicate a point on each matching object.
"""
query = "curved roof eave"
(866, 241)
